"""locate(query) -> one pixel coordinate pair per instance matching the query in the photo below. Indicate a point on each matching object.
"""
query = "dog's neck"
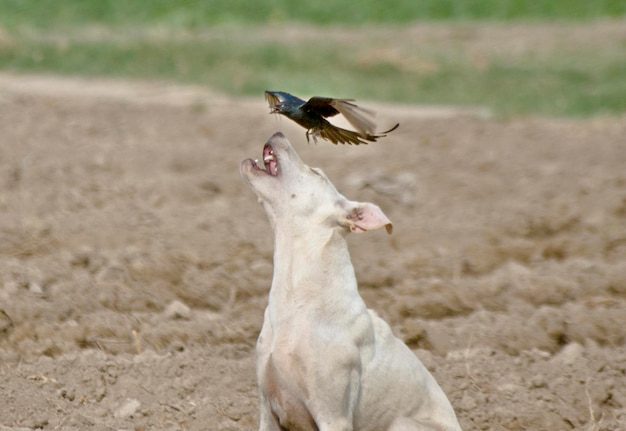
(311, 269)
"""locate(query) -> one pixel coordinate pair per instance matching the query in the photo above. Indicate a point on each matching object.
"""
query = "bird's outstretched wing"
(361, 119)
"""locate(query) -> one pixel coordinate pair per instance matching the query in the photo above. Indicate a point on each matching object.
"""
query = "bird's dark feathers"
(321, 105)
(312, 115)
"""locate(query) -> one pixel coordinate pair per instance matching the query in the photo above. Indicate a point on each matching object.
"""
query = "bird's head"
(281, 102)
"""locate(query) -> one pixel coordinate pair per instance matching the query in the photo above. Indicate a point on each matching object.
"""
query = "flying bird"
(312, 116)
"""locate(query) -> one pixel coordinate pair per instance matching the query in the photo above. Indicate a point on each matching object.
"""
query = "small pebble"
(128, 409)
(509, 388)
(467, 403)
(538, 381)
(569, 354)
(177, 310)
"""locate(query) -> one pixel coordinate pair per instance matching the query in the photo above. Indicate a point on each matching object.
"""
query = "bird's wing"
(361, 119)
(321, 105)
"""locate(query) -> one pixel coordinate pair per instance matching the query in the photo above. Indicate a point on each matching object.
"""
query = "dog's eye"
(315, 171)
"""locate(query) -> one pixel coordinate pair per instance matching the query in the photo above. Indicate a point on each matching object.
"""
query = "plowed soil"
(135, 264)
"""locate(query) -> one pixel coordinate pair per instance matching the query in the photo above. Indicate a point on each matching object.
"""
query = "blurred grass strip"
(46, 14)
(365, 49)
(579, 81)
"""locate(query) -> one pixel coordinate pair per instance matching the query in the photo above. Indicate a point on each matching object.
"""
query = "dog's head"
(302, 197)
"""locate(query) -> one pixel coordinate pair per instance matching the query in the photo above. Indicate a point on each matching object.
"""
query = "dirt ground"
(135, 263)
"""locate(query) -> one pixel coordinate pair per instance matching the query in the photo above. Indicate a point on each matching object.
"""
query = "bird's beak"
(274, 109)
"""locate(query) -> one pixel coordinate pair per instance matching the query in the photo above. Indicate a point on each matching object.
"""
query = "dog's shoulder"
(380, 326)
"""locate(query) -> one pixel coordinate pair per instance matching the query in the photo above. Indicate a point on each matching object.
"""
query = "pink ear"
(366, 216)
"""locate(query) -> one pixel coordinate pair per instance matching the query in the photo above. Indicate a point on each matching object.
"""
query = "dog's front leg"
(338, 393)
(267, 421)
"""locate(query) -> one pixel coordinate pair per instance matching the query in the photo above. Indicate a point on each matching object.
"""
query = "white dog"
(324, 361)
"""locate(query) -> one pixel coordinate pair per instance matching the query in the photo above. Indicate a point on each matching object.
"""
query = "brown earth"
(135, 264)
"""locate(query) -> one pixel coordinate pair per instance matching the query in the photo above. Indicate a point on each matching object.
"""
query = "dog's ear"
(363, 216)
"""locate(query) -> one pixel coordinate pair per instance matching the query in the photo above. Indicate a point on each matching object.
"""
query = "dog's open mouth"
(270, 162)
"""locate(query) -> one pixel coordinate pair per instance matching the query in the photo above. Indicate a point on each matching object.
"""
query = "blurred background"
(545, 57)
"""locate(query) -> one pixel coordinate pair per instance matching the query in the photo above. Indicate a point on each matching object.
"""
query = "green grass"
(202, 13)
(232, 47)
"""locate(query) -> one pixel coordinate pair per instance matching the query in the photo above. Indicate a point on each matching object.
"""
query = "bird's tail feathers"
(337, 135)
(381, 134)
